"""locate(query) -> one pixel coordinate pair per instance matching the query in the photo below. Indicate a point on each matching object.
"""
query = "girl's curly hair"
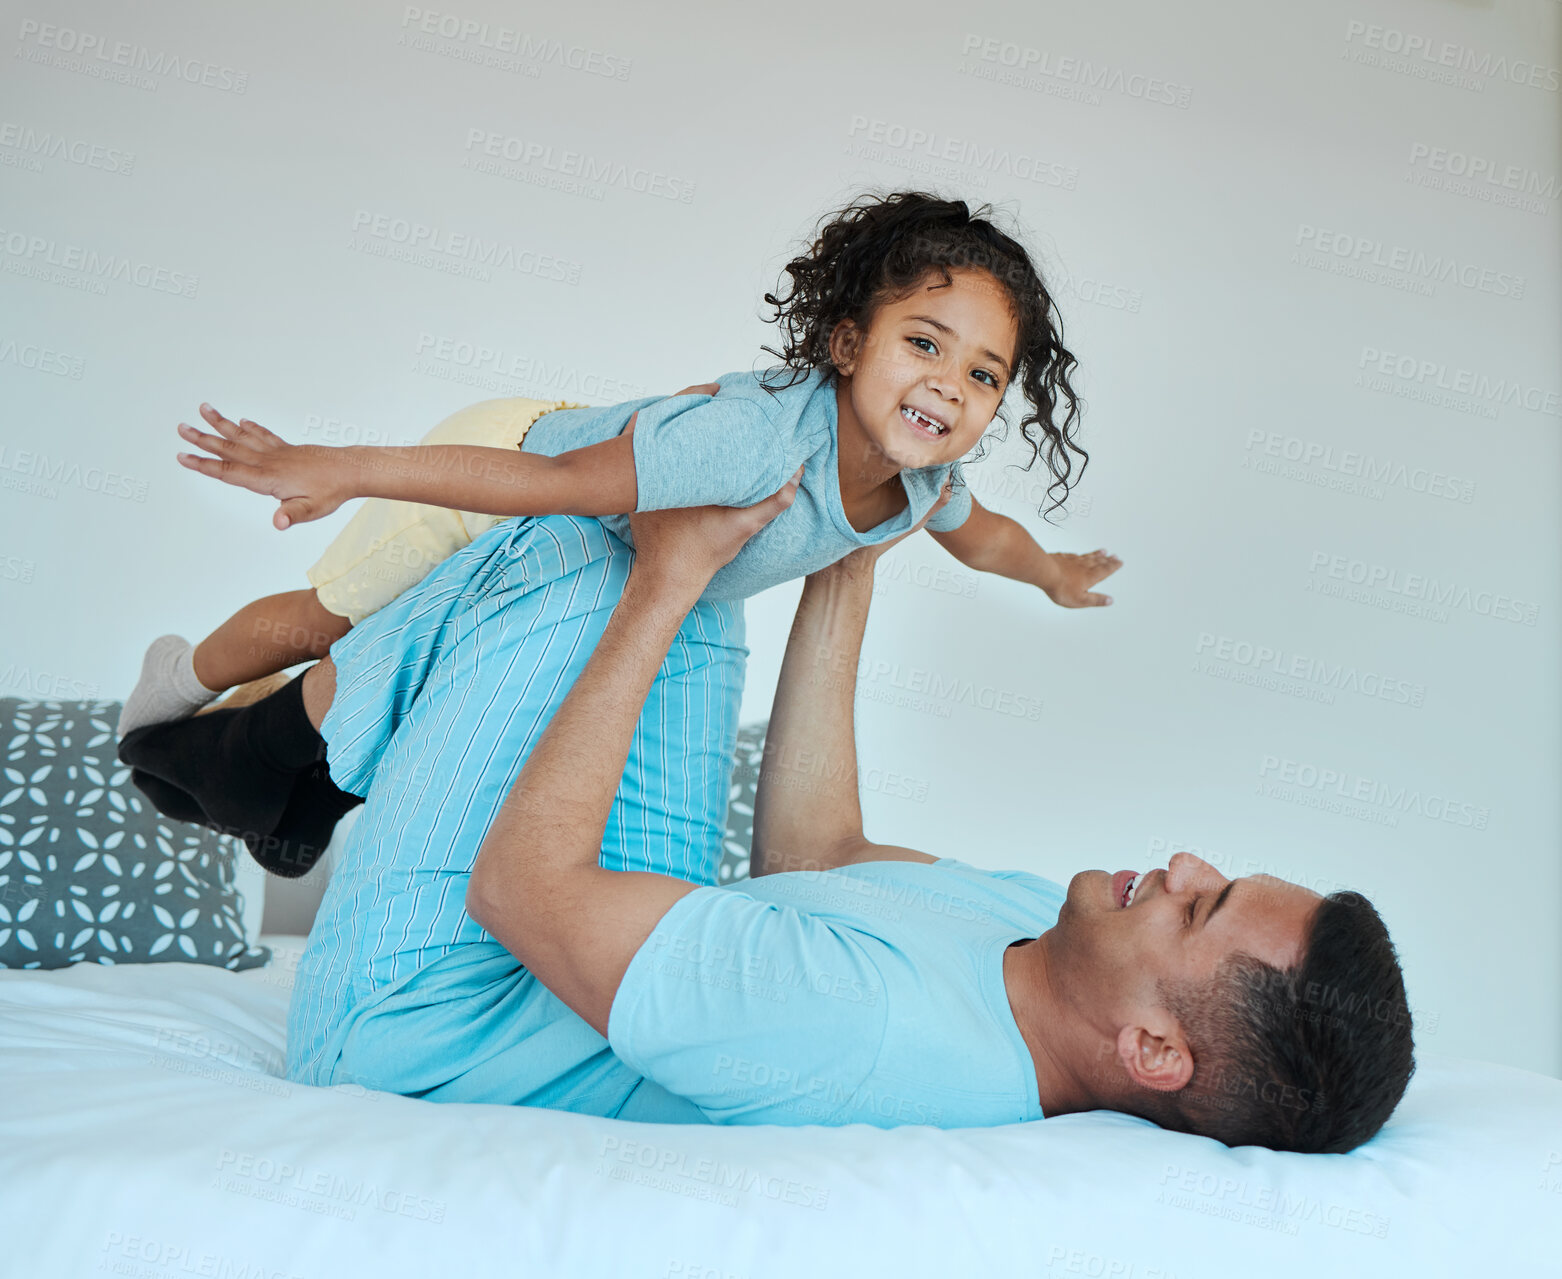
(877, 250)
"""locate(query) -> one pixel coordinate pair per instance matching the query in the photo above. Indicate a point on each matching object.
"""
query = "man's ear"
(1160, 1061)
(845, 346)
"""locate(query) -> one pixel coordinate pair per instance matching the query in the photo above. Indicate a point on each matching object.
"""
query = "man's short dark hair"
(1312, 1059)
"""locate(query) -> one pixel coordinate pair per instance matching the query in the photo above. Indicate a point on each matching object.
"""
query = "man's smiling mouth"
(1131, 890)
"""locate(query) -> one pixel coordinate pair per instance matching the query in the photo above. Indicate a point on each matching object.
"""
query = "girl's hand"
(1076, 574)
(303, 478)
(688, 544)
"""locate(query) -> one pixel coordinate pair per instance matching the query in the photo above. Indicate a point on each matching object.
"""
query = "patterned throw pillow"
(90, 872)
(739, 838)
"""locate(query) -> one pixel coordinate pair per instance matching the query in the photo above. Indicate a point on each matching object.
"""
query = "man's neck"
(1045, 1024)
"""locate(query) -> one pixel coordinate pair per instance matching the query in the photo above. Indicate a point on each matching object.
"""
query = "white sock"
(167, 689)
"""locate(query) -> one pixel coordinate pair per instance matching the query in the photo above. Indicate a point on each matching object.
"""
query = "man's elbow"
(479, 906)
(486, 909)
(815, 852)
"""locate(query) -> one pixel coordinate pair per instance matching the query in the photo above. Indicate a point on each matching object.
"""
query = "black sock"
(301, 835)
(238, 766)
(168, 799)
(279, 729)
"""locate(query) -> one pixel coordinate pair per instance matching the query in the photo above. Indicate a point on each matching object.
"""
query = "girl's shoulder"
(797, 418)
(770, 389)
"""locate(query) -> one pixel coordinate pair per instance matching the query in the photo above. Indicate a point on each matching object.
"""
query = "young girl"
(906, 322)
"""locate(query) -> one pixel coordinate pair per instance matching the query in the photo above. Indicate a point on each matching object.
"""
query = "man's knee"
(319, 690)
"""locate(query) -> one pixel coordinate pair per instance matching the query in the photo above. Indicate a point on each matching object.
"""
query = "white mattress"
(144, 1131)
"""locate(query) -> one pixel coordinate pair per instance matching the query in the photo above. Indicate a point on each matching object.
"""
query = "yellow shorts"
(388, 546)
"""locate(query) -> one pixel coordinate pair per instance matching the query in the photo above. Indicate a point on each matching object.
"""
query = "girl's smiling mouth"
(925, 423)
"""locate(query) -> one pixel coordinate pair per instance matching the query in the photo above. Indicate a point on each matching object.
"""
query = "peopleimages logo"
(42, 473)
(1317, 787)
(1456, 57)
(1353, 466)
(459, 252)
(1441, 268)
(985, 157)
(1456, 170)
(45, 686)
(41, 359)
(924, 685)
(1227, 651)
(550, 379)
(1421, 378)
(56, 146)
(90, 52)
(498, 41)
(1026, 60)
(45, 257)
(1326, 570)
(486, 148)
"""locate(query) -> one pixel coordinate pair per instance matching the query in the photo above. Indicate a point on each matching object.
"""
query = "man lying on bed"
(877, 984)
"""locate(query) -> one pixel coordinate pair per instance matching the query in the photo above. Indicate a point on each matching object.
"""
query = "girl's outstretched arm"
(993, 543)
(310, 480)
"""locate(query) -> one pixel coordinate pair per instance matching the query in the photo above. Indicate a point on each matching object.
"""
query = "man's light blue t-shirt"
(873, 994)
(738, 447)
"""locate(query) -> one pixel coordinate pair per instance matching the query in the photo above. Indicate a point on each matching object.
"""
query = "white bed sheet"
(144, 1131)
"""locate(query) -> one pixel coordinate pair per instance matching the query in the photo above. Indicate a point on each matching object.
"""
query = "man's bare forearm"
(807, 804)
(556, 811)
(537, 886)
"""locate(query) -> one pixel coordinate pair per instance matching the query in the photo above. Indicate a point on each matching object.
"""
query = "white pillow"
(250, 881)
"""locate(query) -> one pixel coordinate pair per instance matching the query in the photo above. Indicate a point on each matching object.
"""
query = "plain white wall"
(1307, 257)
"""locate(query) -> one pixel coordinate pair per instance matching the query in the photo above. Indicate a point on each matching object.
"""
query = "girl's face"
(930, 373)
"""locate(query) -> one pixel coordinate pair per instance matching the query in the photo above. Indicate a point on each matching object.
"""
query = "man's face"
(1179, 926)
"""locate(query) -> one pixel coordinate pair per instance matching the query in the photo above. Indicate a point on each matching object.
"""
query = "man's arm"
(807, 815)
(536, 885)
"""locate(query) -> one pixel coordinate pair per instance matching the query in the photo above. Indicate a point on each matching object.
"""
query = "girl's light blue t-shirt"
(736, 448)
(872, 993)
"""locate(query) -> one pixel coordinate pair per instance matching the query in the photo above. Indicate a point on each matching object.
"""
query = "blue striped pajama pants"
(439, 698)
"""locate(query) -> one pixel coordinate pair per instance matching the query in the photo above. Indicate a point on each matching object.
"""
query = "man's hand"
(1074, 576)
(305, 479)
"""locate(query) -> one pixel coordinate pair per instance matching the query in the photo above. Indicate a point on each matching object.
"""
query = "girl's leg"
(260, 639)
(267, 636)
(257, 772)
(260, 771)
